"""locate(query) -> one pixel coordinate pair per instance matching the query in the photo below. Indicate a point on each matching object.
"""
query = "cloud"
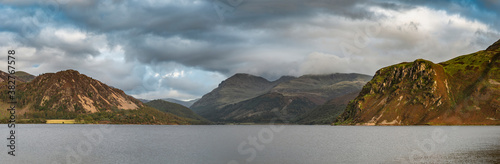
(181, 48)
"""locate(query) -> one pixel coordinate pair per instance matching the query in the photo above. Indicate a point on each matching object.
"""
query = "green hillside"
(178, 110)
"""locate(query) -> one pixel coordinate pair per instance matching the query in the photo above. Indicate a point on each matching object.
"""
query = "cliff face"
(74, 92)
(464, 90)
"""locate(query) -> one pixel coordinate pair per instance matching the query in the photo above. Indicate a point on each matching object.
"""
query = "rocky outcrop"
(460, 91)
(74, 92)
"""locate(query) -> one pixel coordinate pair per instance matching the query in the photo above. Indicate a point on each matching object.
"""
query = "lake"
(263, 144)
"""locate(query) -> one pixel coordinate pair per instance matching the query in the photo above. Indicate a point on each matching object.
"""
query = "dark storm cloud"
(145, 42)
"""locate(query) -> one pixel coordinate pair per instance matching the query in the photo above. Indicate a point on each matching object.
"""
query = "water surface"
(238, 143)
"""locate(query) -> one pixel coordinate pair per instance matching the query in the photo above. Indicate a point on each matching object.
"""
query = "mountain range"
(181, 102)
(245, 98)
(463, 90)
(71, 95)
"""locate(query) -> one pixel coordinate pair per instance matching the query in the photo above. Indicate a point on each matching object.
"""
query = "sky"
(183, 49)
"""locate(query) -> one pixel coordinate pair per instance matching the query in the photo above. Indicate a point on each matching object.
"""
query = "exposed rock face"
(463, 90)
(71, 91)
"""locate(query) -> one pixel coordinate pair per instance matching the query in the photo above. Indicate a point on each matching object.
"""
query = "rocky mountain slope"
(247, 98)
(463, 90)
(237, 88)
(71, 95)
(72, 91)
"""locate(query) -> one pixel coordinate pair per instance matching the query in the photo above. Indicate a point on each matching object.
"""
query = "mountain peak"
(69, 71)
(240, 79)
(244, 76)
(75, 92)
(495, 46)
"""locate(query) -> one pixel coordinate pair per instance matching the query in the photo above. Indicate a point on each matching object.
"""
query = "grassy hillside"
(327, 113)
(263, 109)
(237, 88)
(178, 110)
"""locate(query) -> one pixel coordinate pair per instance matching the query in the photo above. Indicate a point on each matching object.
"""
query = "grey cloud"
(269, 38)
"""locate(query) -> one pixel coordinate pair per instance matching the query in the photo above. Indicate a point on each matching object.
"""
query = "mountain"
(72, 91)
(463, 90)
(144, 100)
(237, 88)
(183, 103)
(247, 98)
(178, 110)
(24, 76)
(262, 109)
(321, 88)
(71, 95)
(20, 76)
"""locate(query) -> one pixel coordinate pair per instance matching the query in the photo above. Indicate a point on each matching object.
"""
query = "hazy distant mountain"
(248, 98)
(178, 110)
(144, 100)
(183, 103)
(463, 90)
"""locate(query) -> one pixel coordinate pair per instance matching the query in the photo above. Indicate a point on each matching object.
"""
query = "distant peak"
(495, 46)
(244, 76)
(285, 78)
(241, 75)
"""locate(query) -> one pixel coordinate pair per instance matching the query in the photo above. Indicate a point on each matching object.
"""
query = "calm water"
(239, 143)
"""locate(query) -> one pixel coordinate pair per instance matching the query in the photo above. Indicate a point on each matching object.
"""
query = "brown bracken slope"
(71, 91)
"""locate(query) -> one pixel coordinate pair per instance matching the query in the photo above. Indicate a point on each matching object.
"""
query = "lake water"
(221, 144)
